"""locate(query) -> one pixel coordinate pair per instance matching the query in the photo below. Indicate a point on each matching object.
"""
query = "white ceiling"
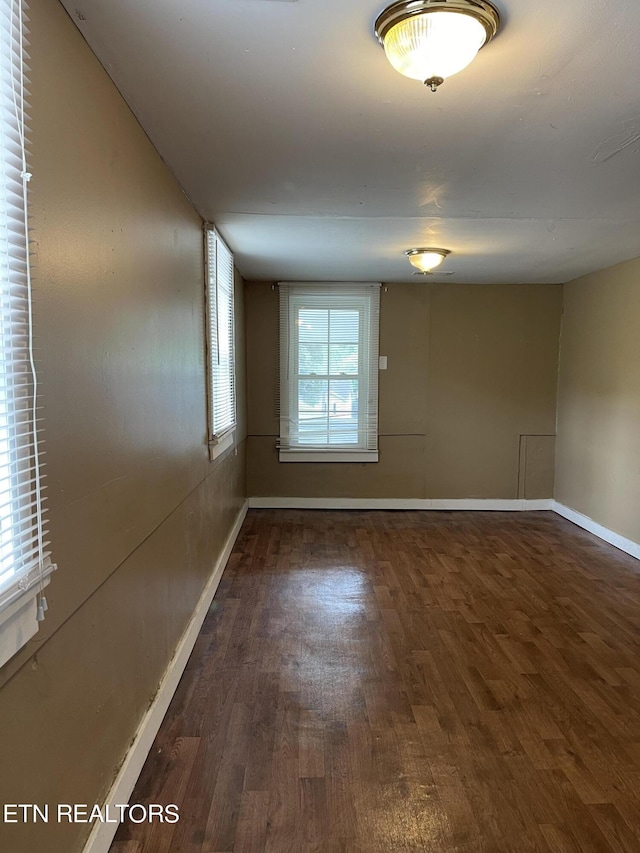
(288, 129)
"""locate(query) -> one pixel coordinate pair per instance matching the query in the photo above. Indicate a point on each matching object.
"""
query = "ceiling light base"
(433, 274)
(482, 10)
(433, 83)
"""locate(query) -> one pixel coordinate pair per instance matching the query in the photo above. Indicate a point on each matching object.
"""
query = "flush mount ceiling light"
(426, 260)
(430, 40)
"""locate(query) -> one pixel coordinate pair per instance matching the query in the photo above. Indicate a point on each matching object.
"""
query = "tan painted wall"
(138, 513)
(472, 372)
(598, 465)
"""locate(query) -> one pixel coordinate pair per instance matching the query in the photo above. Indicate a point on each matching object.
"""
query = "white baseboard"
(516, 505)
(103, 833)
(621, 542)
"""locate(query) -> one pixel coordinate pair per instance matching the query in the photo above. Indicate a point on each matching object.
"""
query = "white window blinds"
(24, 560)
(220, 301)
(329, 372)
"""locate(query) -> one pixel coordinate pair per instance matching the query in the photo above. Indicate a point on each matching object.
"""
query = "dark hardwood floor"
(379, 682)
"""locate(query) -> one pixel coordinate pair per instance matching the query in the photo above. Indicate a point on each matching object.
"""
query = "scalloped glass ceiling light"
(431, 40)
(426, 260)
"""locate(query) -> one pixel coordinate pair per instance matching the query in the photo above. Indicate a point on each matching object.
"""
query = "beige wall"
(467, 405)
(598, 465)
(137, 512)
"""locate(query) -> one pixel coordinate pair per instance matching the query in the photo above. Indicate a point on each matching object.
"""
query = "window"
(24, 563)
(329, 372)
(220, 342)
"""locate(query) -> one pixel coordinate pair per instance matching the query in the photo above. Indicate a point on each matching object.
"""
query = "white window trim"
(218, 443)
(295, 455)
(217, 448)
(298, 453)
(18, 617)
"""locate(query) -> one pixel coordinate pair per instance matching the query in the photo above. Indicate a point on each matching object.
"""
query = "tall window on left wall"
(25, 564)
(220, 342)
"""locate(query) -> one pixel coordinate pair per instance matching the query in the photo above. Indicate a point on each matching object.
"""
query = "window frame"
(365, 298)
(22, 522)
(220, 436)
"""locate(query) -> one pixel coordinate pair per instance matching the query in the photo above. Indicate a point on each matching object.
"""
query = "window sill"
(18, 622)
(217, 448)
(328, 455)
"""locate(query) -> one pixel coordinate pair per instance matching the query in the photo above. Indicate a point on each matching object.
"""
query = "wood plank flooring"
(380, 682)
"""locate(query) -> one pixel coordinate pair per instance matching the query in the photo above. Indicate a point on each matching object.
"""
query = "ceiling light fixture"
(430, 40)
(426, 260)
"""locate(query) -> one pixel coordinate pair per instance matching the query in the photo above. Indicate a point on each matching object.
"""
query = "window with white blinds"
(329, 372)
(221, 347)
(24, 560)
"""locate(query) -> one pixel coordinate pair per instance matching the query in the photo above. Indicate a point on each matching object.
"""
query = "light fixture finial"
(434, 82)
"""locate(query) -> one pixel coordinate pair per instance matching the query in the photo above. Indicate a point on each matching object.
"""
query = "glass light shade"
(434, 44)
(425, 260)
